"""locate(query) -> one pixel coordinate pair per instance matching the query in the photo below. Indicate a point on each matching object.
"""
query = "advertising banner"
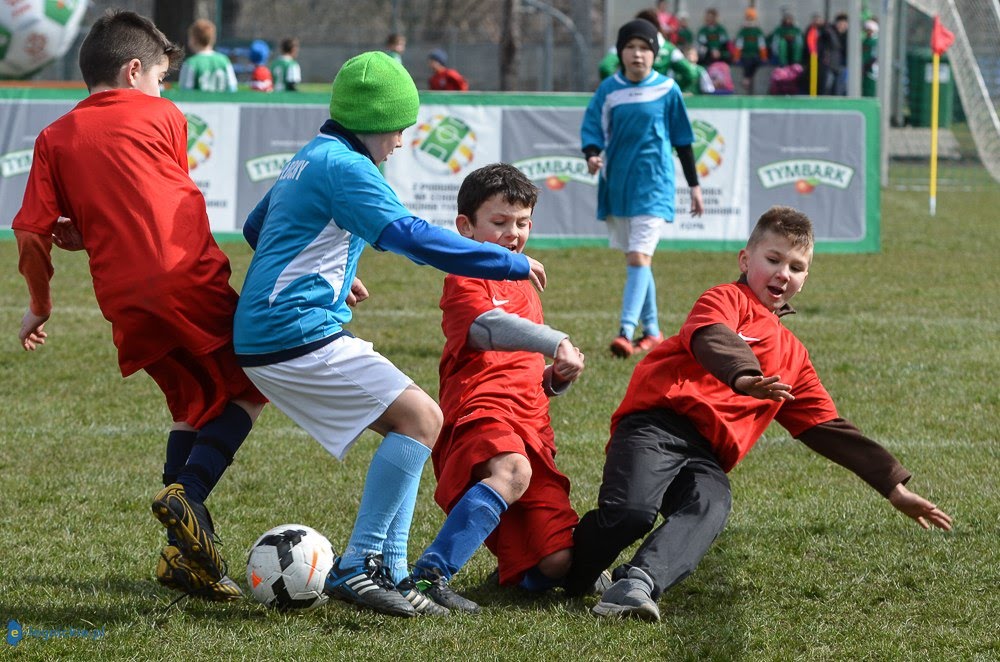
(818, 155)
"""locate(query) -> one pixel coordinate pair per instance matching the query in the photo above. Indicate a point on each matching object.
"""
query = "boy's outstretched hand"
(567, 364)
(66, 236)
(32, 331)
(918, 508)
(764, 388)
(537, 274)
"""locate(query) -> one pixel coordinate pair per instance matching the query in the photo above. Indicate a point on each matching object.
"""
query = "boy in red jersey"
(693, 409)
(495, 457)
(116, 166)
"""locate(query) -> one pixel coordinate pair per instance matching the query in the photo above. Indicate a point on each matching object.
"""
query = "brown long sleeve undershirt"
(727, 357)
(35, 264)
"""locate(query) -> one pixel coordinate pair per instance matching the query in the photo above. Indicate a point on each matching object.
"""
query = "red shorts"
(538, 524)
(199, 387)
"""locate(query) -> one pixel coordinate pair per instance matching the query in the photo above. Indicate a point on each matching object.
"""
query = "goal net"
(975, 67)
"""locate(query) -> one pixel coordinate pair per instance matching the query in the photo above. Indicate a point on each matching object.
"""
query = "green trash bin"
(920, 72)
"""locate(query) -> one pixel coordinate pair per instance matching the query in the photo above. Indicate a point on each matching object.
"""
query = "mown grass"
(813, 564)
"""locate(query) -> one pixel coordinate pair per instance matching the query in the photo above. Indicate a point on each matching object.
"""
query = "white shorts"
(634, 234)
(333, 393)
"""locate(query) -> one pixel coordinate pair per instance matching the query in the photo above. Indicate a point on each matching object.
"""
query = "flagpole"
(934, 131)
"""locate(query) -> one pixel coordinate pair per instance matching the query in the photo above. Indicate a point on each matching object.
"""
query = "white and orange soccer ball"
(33, 33)
(287, 567)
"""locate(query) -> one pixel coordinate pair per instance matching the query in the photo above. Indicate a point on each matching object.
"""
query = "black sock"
(179, 443)
(213, 451)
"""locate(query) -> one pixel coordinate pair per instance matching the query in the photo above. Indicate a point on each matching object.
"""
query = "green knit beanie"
(373, 93)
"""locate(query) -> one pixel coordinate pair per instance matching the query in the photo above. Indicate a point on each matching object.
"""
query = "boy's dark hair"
(288, 45)
(202, 33)
(393, 39)
(495, 179)
(118, 37)
(785, 222)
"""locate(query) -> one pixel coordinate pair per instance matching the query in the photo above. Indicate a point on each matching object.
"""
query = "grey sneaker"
(629, 596)
(410, 589)
(602, 583)
(434, 586)
(368, 586)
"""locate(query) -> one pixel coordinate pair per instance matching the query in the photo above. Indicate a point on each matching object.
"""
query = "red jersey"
(117, 166)
(448, 79)
(505, 386)
(669, 377)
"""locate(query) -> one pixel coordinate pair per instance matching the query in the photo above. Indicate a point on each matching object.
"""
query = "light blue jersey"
(308, 233)
(313, 226)
(636, 125)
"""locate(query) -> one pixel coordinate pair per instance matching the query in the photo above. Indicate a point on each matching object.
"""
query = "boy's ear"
(744, 260)
(464, 225)
(130, 72)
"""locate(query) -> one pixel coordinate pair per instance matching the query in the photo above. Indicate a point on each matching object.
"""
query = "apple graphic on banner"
(805, 186)
(556, 183)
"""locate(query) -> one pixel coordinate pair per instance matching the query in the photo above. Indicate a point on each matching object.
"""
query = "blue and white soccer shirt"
(636, 125)
(328, 202)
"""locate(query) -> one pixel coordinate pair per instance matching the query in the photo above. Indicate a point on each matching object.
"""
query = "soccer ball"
(287, 567)
(33, 33)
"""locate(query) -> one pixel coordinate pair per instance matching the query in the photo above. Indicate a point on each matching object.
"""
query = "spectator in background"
(833, 57)
(750, 48)
(869, 59)
(705, 84)
(666, 22)
(713, 40)
(786, 43)
(260, 78)
(443, 78)
(206, 69)
(395, 46)
(285, 70)
(683, 33)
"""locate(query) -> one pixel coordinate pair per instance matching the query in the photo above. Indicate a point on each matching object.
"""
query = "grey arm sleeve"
(498, 330)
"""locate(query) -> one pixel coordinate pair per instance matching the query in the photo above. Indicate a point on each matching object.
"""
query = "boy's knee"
(557, 564)
(413, 414)
(627, 523)
(509, 474)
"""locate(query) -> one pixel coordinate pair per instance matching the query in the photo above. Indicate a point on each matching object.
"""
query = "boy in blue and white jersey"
(308, 233)
(635, 118)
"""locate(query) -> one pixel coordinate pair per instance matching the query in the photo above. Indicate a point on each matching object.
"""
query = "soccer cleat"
(369, 587)
(622, 347)
(647, 342)
(189, 523)
(175, 572)
(629, 597)
(409, 588)
(432, 584)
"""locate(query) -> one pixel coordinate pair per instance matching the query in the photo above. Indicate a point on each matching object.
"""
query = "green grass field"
(813, 565)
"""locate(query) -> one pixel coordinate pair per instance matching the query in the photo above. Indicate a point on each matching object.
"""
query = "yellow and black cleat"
(190, 525)
(176, 573)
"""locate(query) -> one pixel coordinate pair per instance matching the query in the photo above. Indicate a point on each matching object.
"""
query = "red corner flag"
(941, 37)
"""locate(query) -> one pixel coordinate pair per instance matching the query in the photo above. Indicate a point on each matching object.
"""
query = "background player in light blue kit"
(635, 119)
(308, 233)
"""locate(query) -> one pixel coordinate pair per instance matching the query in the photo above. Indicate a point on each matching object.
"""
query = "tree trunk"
(510, 42)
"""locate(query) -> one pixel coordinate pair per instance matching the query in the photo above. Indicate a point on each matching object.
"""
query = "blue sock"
(468, 524)
(395, 469)
(397, 537)
(633, 297)
(213, 451)
(179, 443)
(650, 315)
(534, 580)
